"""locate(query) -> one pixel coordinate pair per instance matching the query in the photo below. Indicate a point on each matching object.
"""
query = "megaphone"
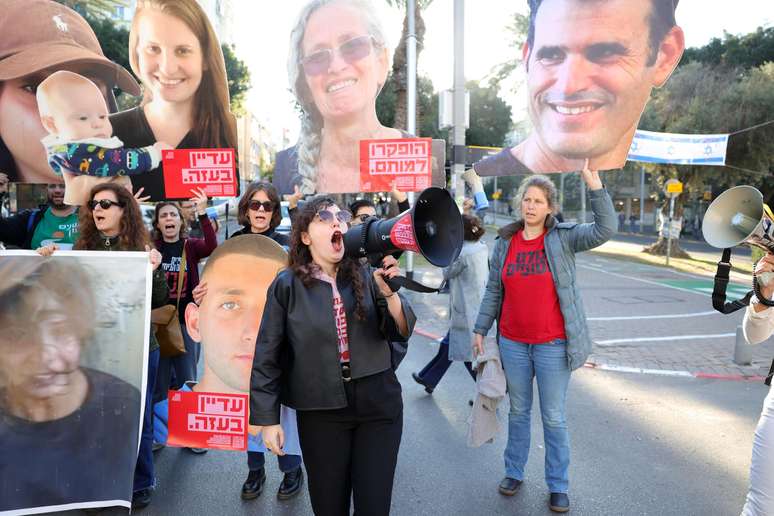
(739, 217)
(432, 228)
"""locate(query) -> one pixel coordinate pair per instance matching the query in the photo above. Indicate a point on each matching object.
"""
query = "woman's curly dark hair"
(133, 235)
(301, 262)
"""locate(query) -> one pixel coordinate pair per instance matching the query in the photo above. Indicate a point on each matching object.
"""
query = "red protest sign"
(407, 162)
(208, 420)
(212, 170)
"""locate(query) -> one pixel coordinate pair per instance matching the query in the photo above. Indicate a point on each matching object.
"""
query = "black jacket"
(17, 230)
(296, 360)
(280, 238)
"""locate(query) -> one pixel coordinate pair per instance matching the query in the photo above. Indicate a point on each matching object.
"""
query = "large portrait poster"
(66, 126)
(212, 413)
(73, 366)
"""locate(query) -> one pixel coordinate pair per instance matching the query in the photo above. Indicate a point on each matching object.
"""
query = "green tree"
(95, 8)
(744, 51)
(516, 33)
(490, 117)
(399, 62)
(238, 79)
(700, 99)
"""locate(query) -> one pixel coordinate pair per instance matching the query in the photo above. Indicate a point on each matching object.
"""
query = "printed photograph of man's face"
(226, 323)
(591, 65)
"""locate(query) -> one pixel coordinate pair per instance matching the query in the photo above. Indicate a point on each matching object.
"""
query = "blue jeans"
(548, 363)
(144, 474)
(287, 463)
(432, 373)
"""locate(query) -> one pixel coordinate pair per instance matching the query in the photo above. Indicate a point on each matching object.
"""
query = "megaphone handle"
(401, 281)
(761, 299)
(720, 284)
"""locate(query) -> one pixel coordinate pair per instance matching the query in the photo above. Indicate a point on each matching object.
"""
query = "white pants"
(760, 498)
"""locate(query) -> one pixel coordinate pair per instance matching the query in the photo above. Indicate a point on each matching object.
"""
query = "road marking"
(638, 317)
(640, 370)
(662, 339)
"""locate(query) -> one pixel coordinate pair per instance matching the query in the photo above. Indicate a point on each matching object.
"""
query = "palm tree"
(399, 63)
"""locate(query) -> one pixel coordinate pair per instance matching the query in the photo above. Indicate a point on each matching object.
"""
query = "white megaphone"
(739, 217)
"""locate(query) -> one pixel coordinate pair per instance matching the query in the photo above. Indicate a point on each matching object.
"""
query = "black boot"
(253, 486)
(291, 484)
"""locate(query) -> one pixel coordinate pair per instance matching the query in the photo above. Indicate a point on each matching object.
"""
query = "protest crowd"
(290, 324)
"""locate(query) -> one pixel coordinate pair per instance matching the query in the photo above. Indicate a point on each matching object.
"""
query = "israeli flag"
(679, 149)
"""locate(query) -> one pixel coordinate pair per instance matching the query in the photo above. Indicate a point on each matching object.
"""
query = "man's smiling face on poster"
(591, 67)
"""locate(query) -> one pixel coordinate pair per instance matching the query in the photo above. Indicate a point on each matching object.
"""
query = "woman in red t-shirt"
(542, 332)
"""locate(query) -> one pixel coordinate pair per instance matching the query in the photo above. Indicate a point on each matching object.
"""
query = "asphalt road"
(640, 445)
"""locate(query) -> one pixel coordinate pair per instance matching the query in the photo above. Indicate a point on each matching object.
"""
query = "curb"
(640, 370)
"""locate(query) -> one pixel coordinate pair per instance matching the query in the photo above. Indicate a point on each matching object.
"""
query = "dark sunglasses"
(365, 216)
(256, 205)
(105, 204)
(350, 51)
(342, 216)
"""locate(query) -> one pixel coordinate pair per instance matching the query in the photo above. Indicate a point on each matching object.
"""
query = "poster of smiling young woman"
(58, 87)
(338, 63)
(73, 361)
(590, 68)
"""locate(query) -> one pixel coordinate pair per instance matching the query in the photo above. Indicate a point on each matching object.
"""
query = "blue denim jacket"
(562, 241)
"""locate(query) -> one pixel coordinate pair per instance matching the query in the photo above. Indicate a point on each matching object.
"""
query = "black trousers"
(352, 452)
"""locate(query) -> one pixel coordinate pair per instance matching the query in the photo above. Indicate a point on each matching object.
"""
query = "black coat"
(296, 360)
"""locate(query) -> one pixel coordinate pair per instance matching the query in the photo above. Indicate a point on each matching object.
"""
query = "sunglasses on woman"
(342, 216)
(105, 204)
(256, 205)
(350, 51)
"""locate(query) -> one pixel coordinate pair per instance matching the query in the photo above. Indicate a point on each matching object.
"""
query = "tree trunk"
(400, 69)
(659, 248)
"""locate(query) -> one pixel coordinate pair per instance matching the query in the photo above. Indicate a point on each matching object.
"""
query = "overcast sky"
(263, 28)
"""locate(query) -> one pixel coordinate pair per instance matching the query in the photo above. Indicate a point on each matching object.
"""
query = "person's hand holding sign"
(274, 439)
(199, 200)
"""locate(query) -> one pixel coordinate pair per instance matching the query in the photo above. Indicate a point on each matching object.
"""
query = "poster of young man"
(73, 355)
(590, 67)
(226, 322)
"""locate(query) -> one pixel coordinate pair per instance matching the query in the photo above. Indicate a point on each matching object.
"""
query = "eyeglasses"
(350, 51)
(105, 204)
(256, 205)
(327, 216)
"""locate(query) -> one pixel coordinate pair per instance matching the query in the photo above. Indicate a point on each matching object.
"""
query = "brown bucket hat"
(40, 34)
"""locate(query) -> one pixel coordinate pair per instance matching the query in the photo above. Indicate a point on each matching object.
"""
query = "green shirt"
(62, 231)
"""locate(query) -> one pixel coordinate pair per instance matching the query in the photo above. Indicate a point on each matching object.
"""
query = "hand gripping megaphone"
(738, 217)
(432, 228)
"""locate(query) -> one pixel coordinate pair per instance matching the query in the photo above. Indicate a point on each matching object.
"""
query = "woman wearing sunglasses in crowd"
(260, 213)
(337, 65)
(323, 349)
(113, 222)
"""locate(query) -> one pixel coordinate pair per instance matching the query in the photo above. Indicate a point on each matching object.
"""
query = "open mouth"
(340, 85)
(169, 227)
(99, 218)
(337, 241)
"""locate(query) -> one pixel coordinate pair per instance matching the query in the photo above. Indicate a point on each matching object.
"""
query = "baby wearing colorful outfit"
(80, 145)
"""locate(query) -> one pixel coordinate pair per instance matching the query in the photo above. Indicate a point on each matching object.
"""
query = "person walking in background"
(542, 331)
(467, 278)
